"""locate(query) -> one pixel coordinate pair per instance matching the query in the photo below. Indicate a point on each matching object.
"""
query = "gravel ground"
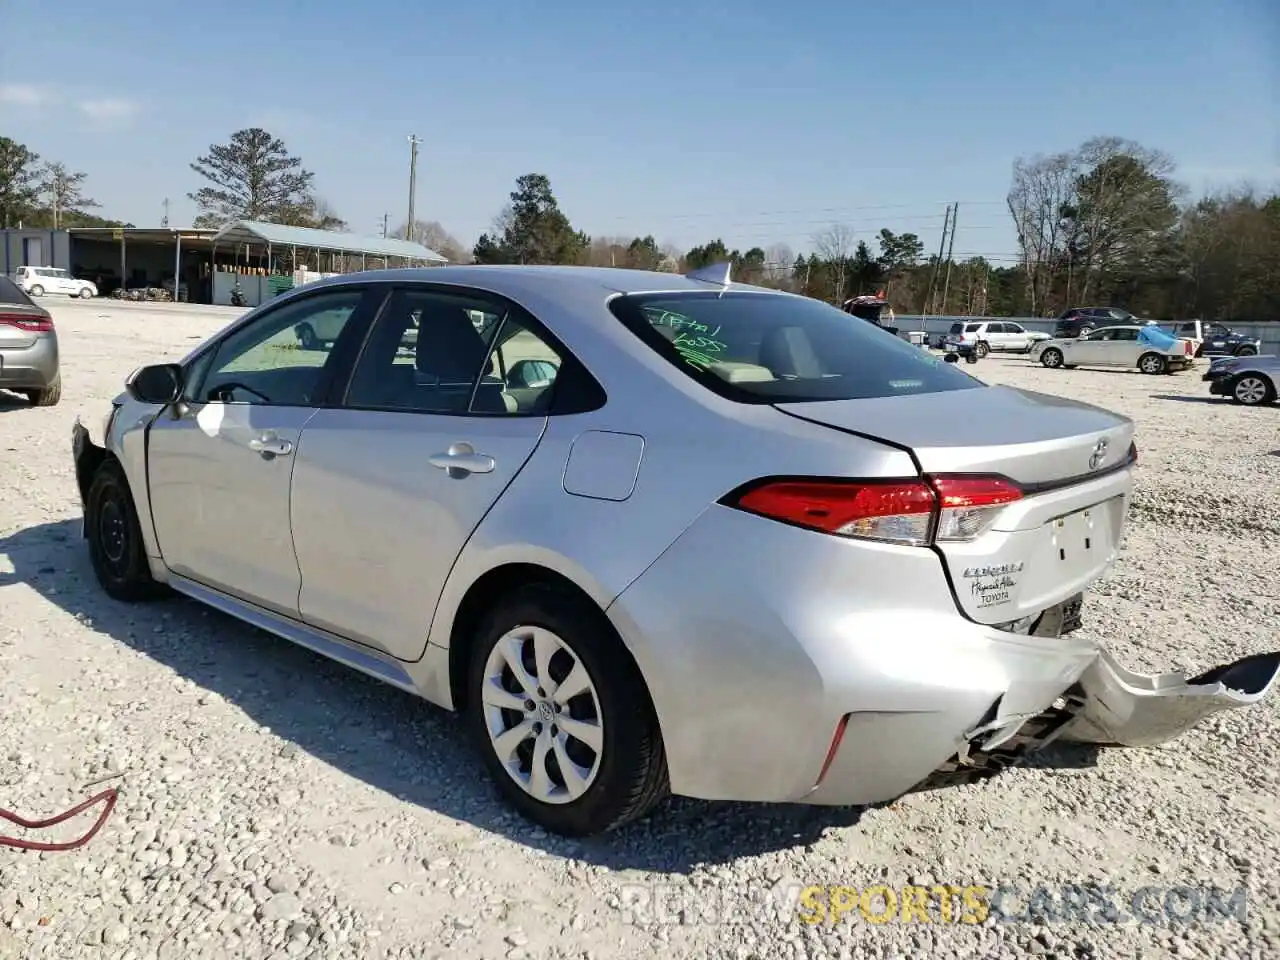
(276, 805)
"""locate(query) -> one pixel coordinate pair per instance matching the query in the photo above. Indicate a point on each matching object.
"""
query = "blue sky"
(688, 121)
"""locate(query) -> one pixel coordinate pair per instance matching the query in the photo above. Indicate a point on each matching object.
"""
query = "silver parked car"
(28, 347)
(650, 533)
(1249, 380)
(1148, 349)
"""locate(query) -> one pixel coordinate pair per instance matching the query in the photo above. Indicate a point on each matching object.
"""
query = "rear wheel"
(982, 349)
(49, 396)
(36, 291)
(115, 537)
(1252, 391)
(85, 293)
(1246, 352)
(561, 716)
(1152, 363)
(1051, 358)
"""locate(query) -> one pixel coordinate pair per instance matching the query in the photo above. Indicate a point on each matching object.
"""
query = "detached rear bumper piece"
(1110, 706)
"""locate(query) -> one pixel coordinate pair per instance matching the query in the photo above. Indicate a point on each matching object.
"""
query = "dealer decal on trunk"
(991, 585)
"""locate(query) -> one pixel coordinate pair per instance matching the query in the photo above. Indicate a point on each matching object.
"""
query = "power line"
(828, 210)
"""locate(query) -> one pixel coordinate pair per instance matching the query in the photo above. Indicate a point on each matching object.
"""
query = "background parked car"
(37, 281)
(28, 347)
(1077, 321)
(1002, 336)
(1148, 348)
(1251, 380)
(1216, 339)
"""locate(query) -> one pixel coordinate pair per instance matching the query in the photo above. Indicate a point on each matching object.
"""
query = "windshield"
(776, 348)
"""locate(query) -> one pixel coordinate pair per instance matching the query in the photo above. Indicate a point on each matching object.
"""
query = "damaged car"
(725, 545)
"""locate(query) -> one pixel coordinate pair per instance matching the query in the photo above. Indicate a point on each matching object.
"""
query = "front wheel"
(116, 549)
(1152, 363)
(982, 349)
(1252, 391)
(561, 716)
(1051, 358)
(1246, 352)
(307, 338)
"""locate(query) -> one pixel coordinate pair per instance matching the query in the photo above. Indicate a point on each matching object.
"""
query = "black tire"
(49, 396)
(1153, 364)
(1246, 352)
(307, 338)
(1245, 390)
(115, 537)
(85, 293)
(982, 349)
(632, 776)
(1051, 358)
(36, 291)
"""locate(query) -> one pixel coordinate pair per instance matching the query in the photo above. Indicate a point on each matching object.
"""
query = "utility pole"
(951, 246)
(413, 181)
(937, 264)
(165, 222)
(385, 218)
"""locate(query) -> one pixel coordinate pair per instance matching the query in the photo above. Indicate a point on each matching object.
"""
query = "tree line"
(1104, 224)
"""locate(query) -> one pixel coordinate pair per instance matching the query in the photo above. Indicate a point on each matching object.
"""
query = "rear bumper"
(755, 658)
(29, 368)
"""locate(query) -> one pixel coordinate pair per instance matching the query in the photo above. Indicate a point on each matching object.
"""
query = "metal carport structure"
(275, 237)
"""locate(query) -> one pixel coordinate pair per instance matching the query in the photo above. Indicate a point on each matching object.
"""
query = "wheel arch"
(487, 590)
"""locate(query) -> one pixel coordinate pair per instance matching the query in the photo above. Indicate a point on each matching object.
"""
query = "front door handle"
(461, 460)
(270, 446)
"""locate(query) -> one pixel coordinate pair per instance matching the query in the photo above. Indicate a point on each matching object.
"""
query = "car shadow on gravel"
(1182, 399)
(378, 734)
(13, 401)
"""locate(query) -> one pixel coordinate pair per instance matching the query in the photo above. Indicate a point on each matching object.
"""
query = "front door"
(219, 468)
(1090, 349)
(389, 486)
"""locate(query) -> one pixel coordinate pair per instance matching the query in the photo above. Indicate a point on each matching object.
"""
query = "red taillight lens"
(25, 321)
(968, 505)
(909, 512)
(899, 511)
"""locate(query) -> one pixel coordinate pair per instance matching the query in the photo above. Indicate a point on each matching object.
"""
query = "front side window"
(441, 352)
(264, 362)
(776, 348)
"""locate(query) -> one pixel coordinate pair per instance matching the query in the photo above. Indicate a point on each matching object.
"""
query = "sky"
(754, 122)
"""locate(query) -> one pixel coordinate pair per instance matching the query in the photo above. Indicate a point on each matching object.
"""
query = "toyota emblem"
(1099, 454)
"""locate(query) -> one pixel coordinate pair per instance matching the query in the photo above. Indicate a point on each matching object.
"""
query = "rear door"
(391, 482)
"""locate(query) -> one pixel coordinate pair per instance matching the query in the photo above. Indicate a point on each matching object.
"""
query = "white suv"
(37, 281)
(1002, 335)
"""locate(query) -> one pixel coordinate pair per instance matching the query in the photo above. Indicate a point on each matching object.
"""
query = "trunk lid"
(1064, 532)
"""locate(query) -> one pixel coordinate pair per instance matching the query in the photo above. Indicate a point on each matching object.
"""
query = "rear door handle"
(461, 460)
(271, 446)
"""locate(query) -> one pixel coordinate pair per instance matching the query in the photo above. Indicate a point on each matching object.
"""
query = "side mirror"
(159, 383)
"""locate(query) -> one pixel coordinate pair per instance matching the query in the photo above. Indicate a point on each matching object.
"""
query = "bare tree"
(779, 259)
(63, 191)
(432, 234)
(835, 246)
(1043, 191)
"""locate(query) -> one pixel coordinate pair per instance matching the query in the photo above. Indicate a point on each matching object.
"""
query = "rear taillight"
(24, 321)
(968, 505)
(910, 512)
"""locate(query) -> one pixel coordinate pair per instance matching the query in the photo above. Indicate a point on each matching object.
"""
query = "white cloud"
(109, 111)
(25, 95)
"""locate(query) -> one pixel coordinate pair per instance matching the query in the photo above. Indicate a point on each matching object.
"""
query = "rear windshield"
(775, 348)
(12, 294)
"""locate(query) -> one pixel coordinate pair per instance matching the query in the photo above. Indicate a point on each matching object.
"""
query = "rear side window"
(776, 348)
(12, 294)
(956, 328)
(973, 328)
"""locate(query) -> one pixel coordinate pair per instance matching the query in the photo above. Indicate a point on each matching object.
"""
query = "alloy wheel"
(543, 716)
(1250, 391)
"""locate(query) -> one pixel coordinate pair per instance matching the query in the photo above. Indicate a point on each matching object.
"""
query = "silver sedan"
(649, 533)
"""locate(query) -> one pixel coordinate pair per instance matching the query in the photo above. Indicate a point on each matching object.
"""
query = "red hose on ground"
(109, 796)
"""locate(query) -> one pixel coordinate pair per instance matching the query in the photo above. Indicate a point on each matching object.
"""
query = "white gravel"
(274, 804)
